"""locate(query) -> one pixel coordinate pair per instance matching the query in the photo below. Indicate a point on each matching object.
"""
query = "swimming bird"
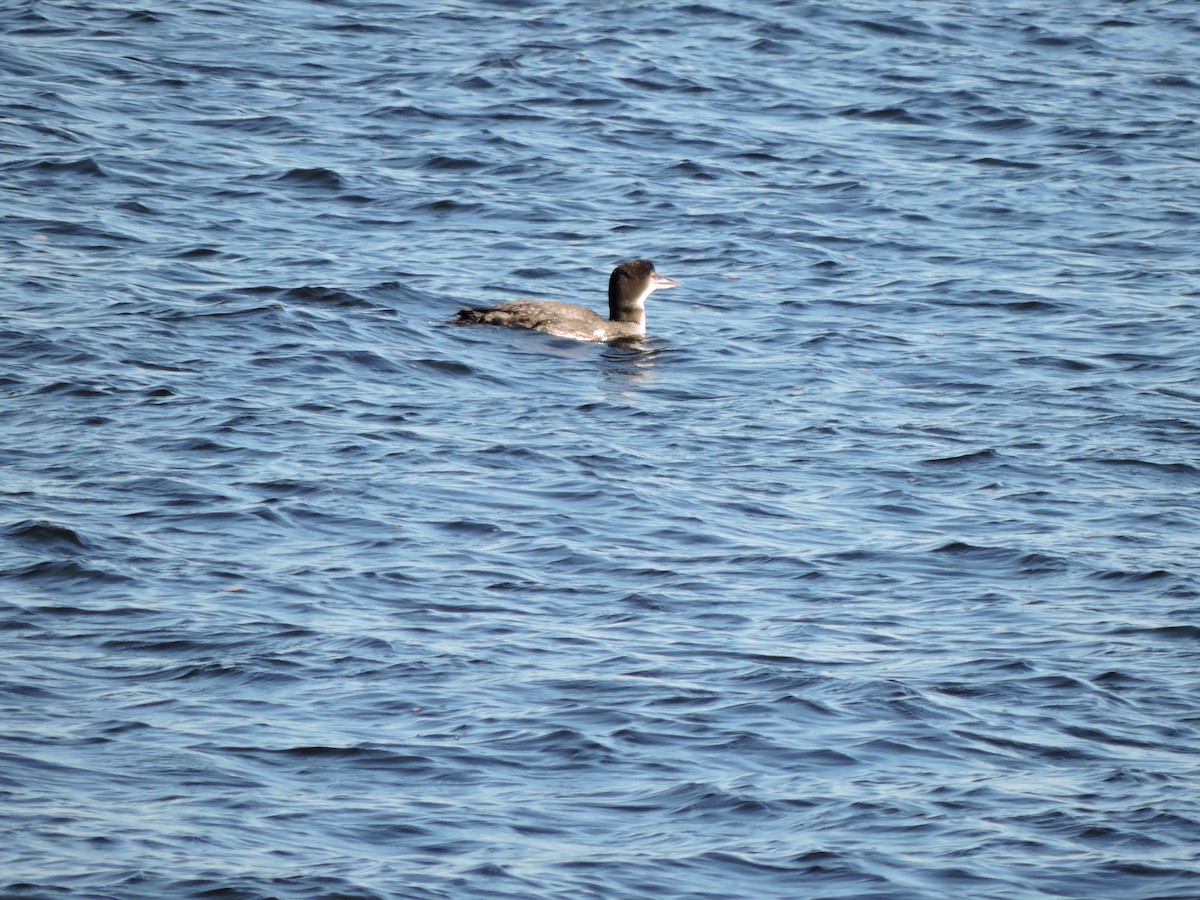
(628, 287)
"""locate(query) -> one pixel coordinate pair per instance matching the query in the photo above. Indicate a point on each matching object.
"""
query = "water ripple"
(869, 573)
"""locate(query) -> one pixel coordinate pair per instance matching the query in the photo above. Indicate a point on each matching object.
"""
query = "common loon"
(628, 287)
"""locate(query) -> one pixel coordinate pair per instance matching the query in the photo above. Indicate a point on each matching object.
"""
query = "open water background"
(873, 573)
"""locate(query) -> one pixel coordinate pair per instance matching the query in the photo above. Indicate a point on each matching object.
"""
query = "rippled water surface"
(871, 573)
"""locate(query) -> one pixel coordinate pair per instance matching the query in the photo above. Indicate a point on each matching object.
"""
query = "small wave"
(82, 166)
(1006, 123)
(997, 162)
(452, 163)
(199, 253)
(320, 295)
(1065, 363)
(74, 389)
(708, 11)
(448, 366)
(46, 535)
(360, 359)
(1150, 465)
(1123, 575)
(449, 205)
(976, 456)
(885, 114)
(1185, 632)
(1040, 563)
(1175, 81)
(266, 125)
(963, 548)
(65, 571)
(773, 47)
(313, 177)
(1041, 38)
(409, 111)
(348, 27)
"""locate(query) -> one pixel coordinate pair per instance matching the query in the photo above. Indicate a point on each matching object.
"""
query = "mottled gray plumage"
(628, 287)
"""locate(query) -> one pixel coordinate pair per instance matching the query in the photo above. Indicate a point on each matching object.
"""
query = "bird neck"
(623, 308)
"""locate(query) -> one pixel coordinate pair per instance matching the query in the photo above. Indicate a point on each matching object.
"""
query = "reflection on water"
(632, 363)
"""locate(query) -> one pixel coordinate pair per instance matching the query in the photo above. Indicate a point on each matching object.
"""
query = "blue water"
(873, 572)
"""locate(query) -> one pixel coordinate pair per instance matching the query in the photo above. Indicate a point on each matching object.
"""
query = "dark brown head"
(629, 286)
